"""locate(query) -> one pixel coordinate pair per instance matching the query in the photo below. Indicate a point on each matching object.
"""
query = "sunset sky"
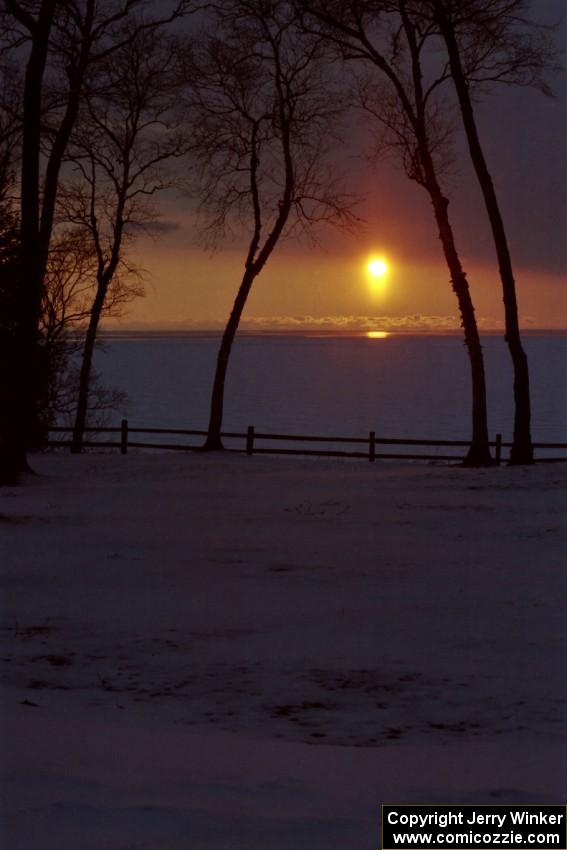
(327, 286)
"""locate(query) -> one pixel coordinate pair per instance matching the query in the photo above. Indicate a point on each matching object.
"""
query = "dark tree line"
(67, 42)
(97, 98)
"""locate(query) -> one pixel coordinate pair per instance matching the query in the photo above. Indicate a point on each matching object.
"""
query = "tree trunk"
(20, 420)
(426, 175)
(479, 450)
(214, 441)
(76, 75)
(12, 447)
(522, 448)
(86, 368)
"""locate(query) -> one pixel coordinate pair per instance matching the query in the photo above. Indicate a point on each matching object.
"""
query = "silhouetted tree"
(263, 115)
(126, 134)
(20, 404)
(404, 101)
(67, 298)
(68, 278)
(76, 35)
(489, 41)
(70, 284)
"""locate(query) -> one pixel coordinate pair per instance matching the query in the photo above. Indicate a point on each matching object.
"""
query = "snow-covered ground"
(253, 654)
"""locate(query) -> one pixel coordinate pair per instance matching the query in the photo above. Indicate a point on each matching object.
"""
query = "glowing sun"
(377, 267)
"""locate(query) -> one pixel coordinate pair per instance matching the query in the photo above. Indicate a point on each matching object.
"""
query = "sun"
(377, 267)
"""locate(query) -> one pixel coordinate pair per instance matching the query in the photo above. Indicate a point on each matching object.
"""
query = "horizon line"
(307, 331)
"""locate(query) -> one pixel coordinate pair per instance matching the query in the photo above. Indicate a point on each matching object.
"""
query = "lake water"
(399, 386)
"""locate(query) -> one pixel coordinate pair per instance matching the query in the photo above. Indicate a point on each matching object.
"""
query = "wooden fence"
(254, 442)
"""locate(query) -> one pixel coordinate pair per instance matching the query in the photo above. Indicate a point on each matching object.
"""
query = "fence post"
(498, 450)
(124, 437)
(372, 446)
(250, 440)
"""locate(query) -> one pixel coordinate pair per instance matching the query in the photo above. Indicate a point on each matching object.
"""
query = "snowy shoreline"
(218, 651)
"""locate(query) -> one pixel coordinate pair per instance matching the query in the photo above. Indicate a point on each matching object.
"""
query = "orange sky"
(188, 288)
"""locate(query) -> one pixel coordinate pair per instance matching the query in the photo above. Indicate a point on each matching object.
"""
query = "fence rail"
(251, 438)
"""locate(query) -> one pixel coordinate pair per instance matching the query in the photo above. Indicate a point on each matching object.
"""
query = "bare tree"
(487, 42)
(67, 297)
(404, 100)
(125, 136)
(76, 35)
(19, 406)
(263, 117)
(70, 284)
